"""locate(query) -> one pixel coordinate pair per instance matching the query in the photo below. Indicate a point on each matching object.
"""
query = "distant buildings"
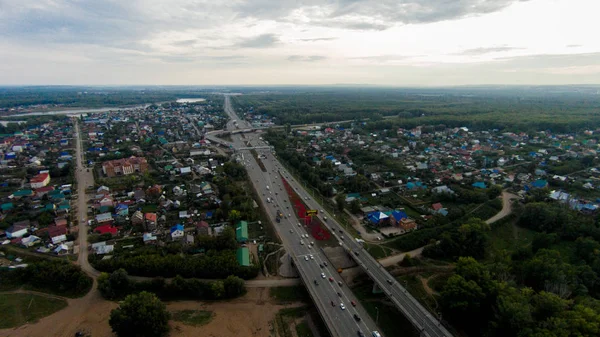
(125, 166)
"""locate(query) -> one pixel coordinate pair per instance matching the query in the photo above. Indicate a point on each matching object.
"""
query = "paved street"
(268, 185)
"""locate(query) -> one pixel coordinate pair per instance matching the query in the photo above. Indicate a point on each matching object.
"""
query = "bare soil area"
(247, 316)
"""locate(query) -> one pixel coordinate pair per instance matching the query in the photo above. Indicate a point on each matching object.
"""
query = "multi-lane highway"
(314, 268)
(310, 270)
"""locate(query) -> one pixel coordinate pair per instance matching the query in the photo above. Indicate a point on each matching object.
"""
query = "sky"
(264, 42)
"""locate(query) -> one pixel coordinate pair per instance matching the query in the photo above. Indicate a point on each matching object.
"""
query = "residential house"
(18, 229)
(137, 218)
(150, 219)
(40, 180)
(149, 239)
(202, 228)
(241, 231)
(177, 232)
(104, 217)
(125, 166)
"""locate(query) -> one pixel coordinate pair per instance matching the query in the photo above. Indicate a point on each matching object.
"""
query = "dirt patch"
(247, 316)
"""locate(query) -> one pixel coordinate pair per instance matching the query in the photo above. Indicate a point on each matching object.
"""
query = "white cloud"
(403, 42)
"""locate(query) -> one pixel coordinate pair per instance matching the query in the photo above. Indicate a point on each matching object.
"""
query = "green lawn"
(193, 317)
(149, 208)
(377, 251)
(389, 319)
(19, 309)
(302, 330)
(289, 294)
(509, 237)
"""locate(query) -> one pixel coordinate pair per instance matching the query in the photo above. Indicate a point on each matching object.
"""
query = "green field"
(377, 251)
(389, 319)
(289, 294)
(193, 317)
(302, 330)
(20, 309)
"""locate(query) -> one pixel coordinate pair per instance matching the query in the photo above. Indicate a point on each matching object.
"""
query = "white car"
(298, 224)
(312, 257)
(305, 258)
(323, 275)
(342, 306)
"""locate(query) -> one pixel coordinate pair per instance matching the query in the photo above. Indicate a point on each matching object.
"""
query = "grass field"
(509, 237)
(19, 309)
(377, 251)
(289, 294)
(193, 317)
(389, 319)
(302, 330)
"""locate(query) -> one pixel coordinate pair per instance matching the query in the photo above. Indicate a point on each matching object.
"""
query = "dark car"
(360, 334)
(389, 281)
(356, 317)
(316, 283)
(356, 253)
(332, 304)
(339, 294)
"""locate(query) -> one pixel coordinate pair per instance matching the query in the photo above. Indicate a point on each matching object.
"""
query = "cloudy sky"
(384, 42)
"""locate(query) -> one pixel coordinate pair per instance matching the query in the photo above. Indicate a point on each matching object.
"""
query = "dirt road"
(507, 199)
(84, 179)
(247, 316)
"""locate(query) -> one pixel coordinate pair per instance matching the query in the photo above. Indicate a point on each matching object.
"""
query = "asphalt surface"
(290, 233)
(327, 295)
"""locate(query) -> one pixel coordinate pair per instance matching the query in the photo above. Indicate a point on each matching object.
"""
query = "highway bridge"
(338, 322)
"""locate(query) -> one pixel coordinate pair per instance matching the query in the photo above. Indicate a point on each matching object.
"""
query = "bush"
(142, 315)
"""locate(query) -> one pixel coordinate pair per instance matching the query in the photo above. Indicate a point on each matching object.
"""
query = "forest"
(520, 108)
(92, 97)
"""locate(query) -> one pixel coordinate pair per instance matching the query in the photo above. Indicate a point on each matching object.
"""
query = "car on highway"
(305, 258)
(389, 281)
(316, 283)
(291, 230)
(340, 283)
(302, 242)
(312, 257)
(342, 306)
(376, 334)
(298, 224)
(353, 303)
(339, 294)
(332, 304)
(357, 318)
(360, 334)
(320, 265)
(331, 279)
(323, 276)
(325, 263)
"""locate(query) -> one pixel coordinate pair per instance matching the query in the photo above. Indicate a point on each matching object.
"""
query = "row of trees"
(55, 276)
(213, 264)
(117, 285)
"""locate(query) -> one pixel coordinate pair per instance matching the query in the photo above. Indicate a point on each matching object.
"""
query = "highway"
(309, 260)
(423, 321)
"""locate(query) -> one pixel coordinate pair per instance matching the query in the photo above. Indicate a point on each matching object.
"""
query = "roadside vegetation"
(53, 276)
(19, 309)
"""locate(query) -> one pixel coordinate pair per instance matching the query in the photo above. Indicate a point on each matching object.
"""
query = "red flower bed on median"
(317, 229)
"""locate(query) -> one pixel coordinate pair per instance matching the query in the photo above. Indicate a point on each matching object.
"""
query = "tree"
(234, 286)
(234, 215)
(113, 286)
(140, 315)
(340, 201)
(355, 206)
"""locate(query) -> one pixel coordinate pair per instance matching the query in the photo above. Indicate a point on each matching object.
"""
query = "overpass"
(426, 323)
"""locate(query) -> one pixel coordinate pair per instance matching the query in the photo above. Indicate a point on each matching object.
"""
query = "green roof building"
(243, 256)
(241, 231)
